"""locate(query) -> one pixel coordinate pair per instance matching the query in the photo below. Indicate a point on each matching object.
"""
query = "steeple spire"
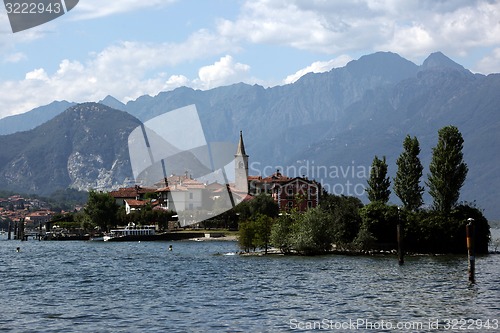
(241, 167)
(241, 147)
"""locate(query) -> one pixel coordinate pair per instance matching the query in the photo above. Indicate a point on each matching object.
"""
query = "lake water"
(142, 287)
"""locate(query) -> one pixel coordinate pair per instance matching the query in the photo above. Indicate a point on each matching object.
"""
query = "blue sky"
(129, 48)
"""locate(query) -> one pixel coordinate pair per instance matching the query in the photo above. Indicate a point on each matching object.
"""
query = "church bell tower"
(241, 167)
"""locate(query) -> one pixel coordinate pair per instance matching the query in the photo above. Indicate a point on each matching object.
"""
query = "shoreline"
(277, 252)
(229, 238)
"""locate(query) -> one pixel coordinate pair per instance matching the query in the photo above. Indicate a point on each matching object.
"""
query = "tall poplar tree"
(407, 181)
(447, 169)
(378, 183)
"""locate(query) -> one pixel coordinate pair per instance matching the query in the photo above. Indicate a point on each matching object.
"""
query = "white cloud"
(284, 23)
(9, 40)
(89, 9)
(222, 72)
(112, 72)
(454, 31)
(15, 57)
(318, 67)
(411, 41)
(470, 26)
(490, 63)
(125, 70)
(175, 81)
(412, 28)
(137, 56)
(37, 74)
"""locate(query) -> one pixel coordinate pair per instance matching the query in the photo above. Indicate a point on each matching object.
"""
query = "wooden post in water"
(399, 235)
(20, 229)
(9, 230)
(471, 251)
(401, 259)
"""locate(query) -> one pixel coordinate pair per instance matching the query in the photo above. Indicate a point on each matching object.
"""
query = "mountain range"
(328, 126)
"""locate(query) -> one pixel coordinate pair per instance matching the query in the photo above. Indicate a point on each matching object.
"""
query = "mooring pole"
(21, 229)
(471, 252)
(399, 236)
(401, 259)
(9, 230)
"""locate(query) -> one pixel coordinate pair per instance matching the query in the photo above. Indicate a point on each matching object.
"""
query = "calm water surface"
(143, 287)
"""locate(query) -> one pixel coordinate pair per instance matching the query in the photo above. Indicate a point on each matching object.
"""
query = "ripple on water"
(138, 287)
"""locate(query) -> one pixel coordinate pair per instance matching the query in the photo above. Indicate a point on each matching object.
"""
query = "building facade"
(182, 193)
(289, 193)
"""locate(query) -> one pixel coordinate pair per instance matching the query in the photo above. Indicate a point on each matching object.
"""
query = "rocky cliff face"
(84, 148)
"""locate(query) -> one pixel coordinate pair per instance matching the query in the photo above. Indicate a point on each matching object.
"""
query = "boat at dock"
(132, 233)
(136, 233)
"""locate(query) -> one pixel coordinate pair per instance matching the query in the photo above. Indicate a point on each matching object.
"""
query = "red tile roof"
(136, 203)
(131, 192)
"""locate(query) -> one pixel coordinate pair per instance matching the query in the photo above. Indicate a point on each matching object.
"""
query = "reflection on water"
(139, 287)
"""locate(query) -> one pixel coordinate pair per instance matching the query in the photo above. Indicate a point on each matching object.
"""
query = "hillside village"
(193, 200)
(32, 211)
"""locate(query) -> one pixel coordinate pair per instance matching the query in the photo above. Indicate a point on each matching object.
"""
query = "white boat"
(131, 233)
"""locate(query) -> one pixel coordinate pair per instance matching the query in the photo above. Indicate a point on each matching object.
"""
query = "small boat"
(131, 233)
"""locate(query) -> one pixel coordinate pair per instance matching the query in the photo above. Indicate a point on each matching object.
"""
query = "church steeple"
(241, 147)
(241, 167)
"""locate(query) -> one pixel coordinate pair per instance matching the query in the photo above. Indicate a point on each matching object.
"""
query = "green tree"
(462, 213)
(85, 222)
(312, 232)
(255, 232)
(380, 220)
(67, 217)
(263, 225)
(261, 204)
(447, 169)
(102, 210)
(344, 212)
(162, 217)
(407, 181)
(281, 233)
(364, 240)
(378, 183)
(246, 235)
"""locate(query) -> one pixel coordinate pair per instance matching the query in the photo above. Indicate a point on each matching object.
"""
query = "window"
(309, 204)
(191, 196)
(290, 204)
(289, 190)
